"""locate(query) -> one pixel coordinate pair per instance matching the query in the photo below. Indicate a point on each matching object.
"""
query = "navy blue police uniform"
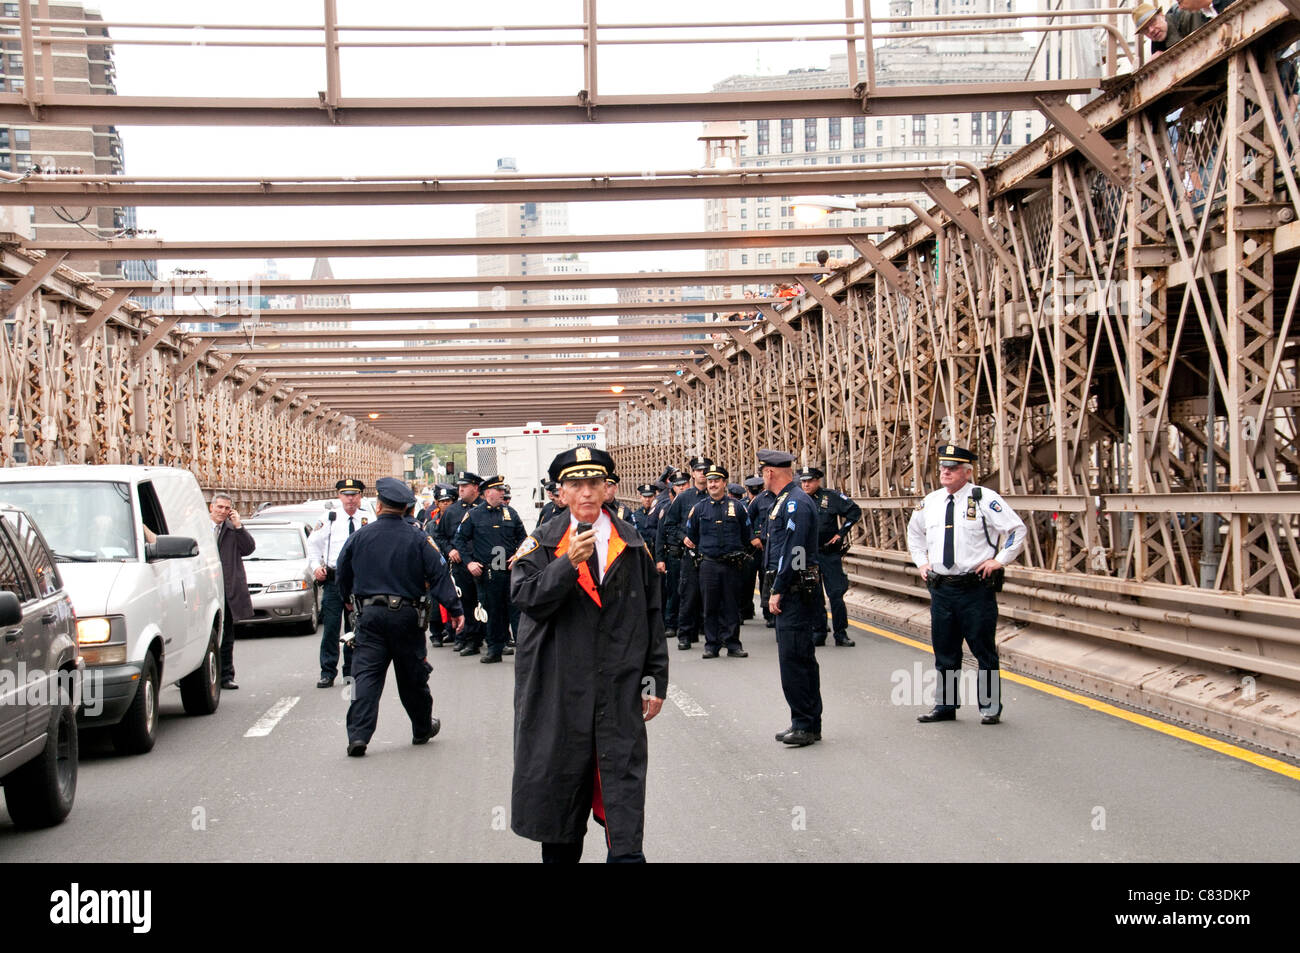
(445, 536)
(719, 530)
(836, 515)
(790, 563)
(488, 535)
(749, 570)
(668, 550)
(642, 515)
(673, 529)
(759, 508)
(386, 570)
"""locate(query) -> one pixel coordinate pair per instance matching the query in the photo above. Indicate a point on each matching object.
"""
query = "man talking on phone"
(591, 668)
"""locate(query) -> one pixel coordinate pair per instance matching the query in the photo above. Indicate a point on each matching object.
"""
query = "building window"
(918, 130)
(744, 259)
(787, 135)
(859, 132)
(880, 142)
(744, 213)
(1006, 129)
(22, 138)
(810, 135)
(764, 136)
(833, 134)
(976, 128)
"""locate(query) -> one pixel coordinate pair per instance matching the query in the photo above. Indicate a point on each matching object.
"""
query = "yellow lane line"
(1174, 731)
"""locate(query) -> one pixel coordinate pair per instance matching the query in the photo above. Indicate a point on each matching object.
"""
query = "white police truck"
(523, 454)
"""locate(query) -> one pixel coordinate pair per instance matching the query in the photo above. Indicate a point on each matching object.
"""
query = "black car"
(41, 675)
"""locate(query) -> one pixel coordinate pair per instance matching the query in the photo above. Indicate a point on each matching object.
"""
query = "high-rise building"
(86, 70)
(979, 137)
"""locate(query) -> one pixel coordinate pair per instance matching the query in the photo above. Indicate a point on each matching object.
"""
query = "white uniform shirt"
(327, 538)
(603, 528)
(925, 531)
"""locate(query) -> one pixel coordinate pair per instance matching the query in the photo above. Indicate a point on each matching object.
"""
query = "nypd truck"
(523, 455)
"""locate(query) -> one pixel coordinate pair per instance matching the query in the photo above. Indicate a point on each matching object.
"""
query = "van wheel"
(201, 689)
(138, 729)
(40, 793)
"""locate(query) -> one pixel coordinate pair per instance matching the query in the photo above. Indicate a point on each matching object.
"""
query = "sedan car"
(282, 588)
(41, 674)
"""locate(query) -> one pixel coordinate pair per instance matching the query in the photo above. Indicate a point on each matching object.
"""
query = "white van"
(148, 613)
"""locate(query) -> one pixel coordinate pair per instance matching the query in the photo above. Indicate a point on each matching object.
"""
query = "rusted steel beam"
(529, 312)
(675, 348)
(201, 347)
(248, 384)
(614, 332)
(101, 315)
(768, 310)
(893, 275)
(159, 332)
(830, 307)
(40, 270)
(382, 369)
(222, 372)
(137, 249)
(1102, 153)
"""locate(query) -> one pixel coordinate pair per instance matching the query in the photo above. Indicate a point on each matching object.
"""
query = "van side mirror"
(11, 610)
(170, 547)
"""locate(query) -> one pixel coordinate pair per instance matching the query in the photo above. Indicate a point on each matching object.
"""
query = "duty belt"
(966, 580)
(389, 602)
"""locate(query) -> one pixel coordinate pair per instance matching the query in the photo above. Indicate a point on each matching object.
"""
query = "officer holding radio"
(962, 537)
(794, 581)
(323, 548)
(394, 577)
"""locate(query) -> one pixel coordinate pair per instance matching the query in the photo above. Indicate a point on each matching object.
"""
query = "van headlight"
(291, 585)
(94, 631)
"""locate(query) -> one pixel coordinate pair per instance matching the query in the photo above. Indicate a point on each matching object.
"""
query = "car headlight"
(93, 631)
(292, 585)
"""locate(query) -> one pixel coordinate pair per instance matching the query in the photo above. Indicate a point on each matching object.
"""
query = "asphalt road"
(1054, 781)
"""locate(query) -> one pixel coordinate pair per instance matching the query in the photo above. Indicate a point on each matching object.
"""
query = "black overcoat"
(233, 545)
(579, 675)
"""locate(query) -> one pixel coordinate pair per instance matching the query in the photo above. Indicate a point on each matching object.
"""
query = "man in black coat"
(591, 668)
(233, 543)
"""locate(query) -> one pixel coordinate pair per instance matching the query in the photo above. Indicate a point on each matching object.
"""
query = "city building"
(979, 137)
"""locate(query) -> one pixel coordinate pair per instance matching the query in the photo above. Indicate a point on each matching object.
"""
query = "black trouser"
(572, 853)
(836, 583)
(688, 600)
(800, 676)
(332, 615)
(473, 632)
(228, 644)
(672, 580)
(746, 577)
(764, 593)
(494, 597)
(385, 635)
(718, 594)
(965, 612)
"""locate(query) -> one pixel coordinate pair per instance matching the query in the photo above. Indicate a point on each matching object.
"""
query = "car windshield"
(82, 521)
(278, 543)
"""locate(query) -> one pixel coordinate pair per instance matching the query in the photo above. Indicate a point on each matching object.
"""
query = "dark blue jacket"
(389, 556)
(791, 536)
(718, 527)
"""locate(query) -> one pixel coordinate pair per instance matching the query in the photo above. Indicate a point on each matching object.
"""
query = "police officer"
(388, 572)
(642, 515)
(717, 533)
(467, 487)
(790, 563)
(751, 573)
(672, 529)
(554, 506)
(323, 546)
(961, 538)
(668, 557)
(485, 540)
(836, 514)
(611, 499)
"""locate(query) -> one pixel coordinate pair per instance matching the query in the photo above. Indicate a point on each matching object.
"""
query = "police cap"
(612, 478)
(736, 490)
(349, 486)
(581, 463)
(775, 458)
(497, 481)
(754, 483)
(810, 473)
(700, 463)
(465, 476)
(951, 455)
(667, 474)
(394, 492)
(647, 489)
(716, 471)
(680, 478)
(444, 492)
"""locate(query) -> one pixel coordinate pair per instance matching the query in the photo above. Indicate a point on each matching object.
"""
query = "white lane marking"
(262, 727)
(689, 706)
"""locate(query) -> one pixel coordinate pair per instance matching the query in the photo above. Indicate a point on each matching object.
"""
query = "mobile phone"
(583, 527)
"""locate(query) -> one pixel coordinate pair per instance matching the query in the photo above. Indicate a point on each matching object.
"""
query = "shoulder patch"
(995, 506)
(791, 506)
(526, 547)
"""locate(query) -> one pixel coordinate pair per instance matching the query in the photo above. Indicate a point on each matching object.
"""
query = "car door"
(13, 687)
(169, 577)
(45, 621)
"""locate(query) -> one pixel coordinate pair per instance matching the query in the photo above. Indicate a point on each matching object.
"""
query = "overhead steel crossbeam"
(674, 347)
(139, 249)
(593, 365)
(83, 191)
(326, 286)
(613, 332)
(526, 312)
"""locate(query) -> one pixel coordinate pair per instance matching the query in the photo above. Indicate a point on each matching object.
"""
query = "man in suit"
(233, 543)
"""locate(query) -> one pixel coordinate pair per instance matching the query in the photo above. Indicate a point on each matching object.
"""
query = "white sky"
(205, 70)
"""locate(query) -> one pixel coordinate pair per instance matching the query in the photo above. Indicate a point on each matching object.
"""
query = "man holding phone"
(591, 668)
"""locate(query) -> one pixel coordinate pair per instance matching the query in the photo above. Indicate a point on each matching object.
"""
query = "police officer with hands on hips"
(323, 548)
(467, 488)
(486, 538)
(717, 532)
(790, 564)
(836, 514)
(756, 508)
(961, 538)
(392, 574)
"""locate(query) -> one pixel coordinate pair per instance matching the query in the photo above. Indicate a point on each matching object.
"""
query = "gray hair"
(223, 496)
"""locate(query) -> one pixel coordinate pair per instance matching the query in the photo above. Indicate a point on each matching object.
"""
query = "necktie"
(949, 557)
(352, 528)
(593, 563)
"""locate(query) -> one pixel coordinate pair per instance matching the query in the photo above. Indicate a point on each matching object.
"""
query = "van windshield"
(82, 522)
